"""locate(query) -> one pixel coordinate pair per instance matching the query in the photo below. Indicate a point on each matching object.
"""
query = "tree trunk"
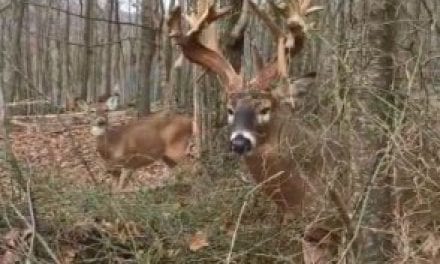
(377, 244)
(88, 51)
(60, 56)
(169, 75)
(46, 67)
(67, 62)
(29, 53)
(15, 82)
(120, 48)
(109, 47)
(2, 47)
(147, 50)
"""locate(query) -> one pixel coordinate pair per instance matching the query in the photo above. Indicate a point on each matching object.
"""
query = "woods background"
(378, 88)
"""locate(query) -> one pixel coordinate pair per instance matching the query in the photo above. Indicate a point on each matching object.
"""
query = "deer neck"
(268, 158)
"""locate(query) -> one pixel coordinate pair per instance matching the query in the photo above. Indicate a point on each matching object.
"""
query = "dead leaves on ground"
(198, 241)
(69, 151)
(95, 239)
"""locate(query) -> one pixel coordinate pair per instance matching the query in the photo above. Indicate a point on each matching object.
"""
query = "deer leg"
(316, 246)
(125, 174)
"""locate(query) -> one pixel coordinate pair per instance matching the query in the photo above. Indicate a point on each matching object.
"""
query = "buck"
(162, 136)
(281, 150)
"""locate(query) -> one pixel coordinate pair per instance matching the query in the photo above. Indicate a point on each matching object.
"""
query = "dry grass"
(91, 225)
(205, 209)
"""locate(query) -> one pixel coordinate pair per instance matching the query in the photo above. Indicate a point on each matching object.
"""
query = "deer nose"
(241, 144)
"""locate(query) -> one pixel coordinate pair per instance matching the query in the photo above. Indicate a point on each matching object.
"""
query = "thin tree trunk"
(88, 51)
(15, 82)
(108, 71)
(377, 244)
(198, 92)
(46, 67)
(2, 47)
(60, 80)
(147, 50)
(168, 74)
(29, 55)
(67, 67)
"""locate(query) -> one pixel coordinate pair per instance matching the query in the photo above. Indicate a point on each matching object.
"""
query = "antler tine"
(209, 16)
(294, 12)
(197, 52)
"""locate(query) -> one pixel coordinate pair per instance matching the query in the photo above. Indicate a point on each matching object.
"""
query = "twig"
(234, 236)
(32, 218)
(237, 224)
(37, 235)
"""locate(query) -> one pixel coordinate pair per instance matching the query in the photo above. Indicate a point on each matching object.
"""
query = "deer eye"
(230, 111)
(265, 111)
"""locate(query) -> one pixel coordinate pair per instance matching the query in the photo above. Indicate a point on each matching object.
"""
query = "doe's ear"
(112, 102)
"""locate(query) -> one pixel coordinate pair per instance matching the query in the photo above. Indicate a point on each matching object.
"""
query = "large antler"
(294, 13)
(198, 53)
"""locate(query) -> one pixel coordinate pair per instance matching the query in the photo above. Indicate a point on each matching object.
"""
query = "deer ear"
(112, 102)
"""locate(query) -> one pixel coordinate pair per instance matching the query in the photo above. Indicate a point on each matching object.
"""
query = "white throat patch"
(97, 131)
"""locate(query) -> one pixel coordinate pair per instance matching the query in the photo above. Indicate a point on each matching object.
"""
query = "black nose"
(240, 144)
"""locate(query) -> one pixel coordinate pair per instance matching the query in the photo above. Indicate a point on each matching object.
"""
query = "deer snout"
(242, 142)
(98, 127)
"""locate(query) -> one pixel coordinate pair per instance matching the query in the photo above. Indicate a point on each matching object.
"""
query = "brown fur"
(281, 151)
(160, 136)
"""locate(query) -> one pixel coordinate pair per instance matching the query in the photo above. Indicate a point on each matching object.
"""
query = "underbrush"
(194, 220)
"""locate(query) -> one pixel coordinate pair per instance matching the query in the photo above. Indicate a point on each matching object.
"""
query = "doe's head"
(99, 114)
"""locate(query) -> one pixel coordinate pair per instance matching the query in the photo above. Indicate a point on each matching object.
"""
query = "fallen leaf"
(432, 245)
(198, 241)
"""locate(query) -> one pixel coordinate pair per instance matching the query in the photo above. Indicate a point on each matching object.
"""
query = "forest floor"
(163, 216)
(68, 150)
(201, 213)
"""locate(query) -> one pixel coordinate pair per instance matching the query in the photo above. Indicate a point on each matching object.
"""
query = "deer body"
(269, 131)
(160, 136)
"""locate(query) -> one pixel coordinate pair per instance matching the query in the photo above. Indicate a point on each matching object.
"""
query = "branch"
(92, 18)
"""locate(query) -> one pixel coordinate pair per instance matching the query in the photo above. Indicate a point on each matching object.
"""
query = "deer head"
(256, 108)
(252, 105)
(99, 113)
